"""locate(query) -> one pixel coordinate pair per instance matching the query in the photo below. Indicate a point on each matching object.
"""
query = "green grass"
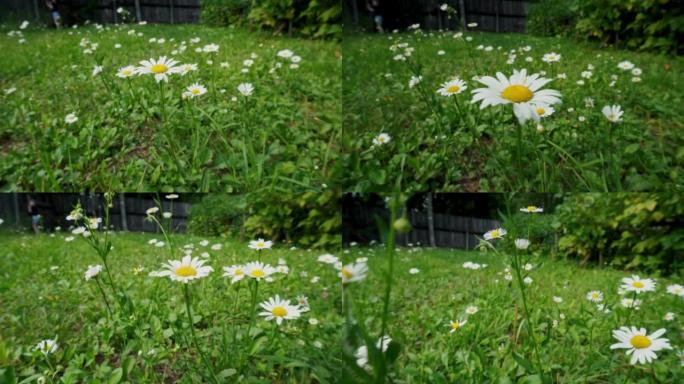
(437, 145)
(488, 348)
(44, 295)
(126, 138)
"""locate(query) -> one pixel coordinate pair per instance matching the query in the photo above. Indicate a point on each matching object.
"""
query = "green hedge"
(311, 219)
(650, 25)
(640, 231)
(309, 18)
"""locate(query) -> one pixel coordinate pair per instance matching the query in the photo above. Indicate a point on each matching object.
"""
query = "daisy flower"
(641, 346)
(675, 289)
(595, 296)
(471, 310)
(543, 110)
(260, 244)
(258, 270)
(125, 72)
(353, 272)
(47, 346)
(612, 113)
(235, 272)
(97, 70)
(246, 89)
(495, 234)
(277, 309)
(532, 209)
(414, 271)
(630, 303)
(195, 90)
(362, 353)
(160, 68)
(669, 316)
(187, 68)
(456, 325)
(327, 259)
(70, 118)
(381, 139)
(557, 299)
(92, 271)
(551, 57)
(523, 91)
(185, 270)
(681, 356)
(415, 80)
(625, 65)
(638, 285)
(522, 244)
(452, 87)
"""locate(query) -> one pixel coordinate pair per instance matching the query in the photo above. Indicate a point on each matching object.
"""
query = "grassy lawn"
(493, 345)
(133, 134)
(450, 144)
(44, 296)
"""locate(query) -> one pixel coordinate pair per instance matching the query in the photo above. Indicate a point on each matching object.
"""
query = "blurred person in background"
(54, 10)
(32, 210)
(376, 10)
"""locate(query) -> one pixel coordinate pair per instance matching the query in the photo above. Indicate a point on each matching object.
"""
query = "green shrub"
(310, 18)
(224, 12)
(310, 219)
(651, 25)
(552, 17)
(625, 230)
(217, 215)
(638, 24)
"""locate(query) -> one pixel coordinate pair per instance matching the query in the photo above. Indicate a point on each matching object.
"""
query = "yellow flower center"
(186, 271)
(640, 342)
(532, 207)
(594, 295)
(260, 244)
(279, 311)
(453, 89)
(127, 72)
(637, 284)
(517, 93)
(495, 233)
(238, 272)
(159, 68)
(455, 325)
(347, 273)
(258, 273)
(540, 111)
(195, 91)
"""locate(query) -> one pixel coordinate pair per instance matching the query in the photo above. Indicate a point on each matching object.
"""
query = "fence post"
(431, 221)
(171, 10)
(461, 11)
(116, 15)
(35, 9)
(122, 212)
(355, 11)
(138, 14)
(16, 208)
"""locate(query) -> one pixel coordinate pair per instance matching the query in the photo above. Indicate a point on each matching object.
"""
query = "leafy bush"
(314, 18)
(653, 25)
(552, 18)
(224, 12)
(625, 230)
(218, 215)
(639, 24)
(310, 219)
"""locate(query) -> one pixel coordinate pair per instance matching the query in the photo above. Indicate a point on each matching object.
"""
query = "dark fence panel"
(55, 207)
(491, 15)
(104, 11)
(451, 231)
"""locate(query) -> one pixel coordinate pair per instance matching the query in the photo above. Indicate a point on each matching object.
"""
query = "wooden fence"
(128, 211)
(449, 231)
(104, 11)
(490, 15)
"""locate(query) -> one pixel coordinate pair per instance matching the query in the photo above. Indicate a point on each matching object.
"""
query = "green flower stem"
(104, 297)
(186, 291)
(530, 325)
(389, 247)
(253, 309)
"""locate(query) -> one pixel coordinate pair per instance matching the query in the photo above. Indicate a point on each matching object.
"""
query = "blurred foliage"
(310, 18)
(650, 25)
(643, 231)
(311, 219)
